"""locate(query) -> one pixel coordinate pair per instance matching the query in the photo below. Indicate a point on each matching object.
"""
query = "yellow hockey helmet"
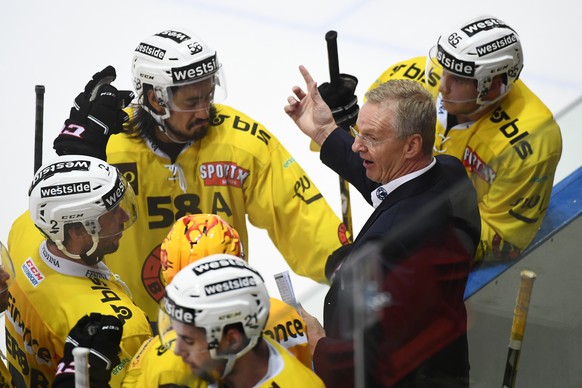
(195, 236)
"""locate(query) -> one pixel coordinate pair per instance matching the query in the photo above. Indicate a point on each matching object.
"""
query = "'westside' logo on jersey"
(475, 164)
(32, 273)
(223, 174)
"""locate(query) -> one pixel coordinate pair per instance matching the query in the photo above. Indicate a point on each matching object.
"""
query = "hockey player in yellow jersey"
(218, 307)
(503, 133)
(184, 152)
(82, 205)
(191, 238)
(6, 277)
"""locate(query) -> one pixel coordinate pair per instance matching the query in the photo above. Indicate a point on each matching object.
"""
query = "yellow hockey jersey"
(48, 297)
(155, 364)
(238, 170)
(5, 378)
(510, 154)
(287, 371)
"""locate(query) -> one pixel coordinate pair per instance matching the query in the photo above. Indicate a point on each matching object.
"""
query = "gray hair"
(413, 108)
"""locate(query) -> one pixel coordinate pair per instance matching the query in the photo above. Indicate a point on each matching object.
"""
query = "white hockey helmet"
(480, 49)
(174, 58)
(214, 292)
(79, 189)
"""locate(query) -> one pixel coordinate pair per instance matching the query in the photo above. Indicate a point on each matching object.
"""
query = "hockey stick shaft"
(518, 327)
(81, 359)
(332, 57)
(38, 126)
(334, 76)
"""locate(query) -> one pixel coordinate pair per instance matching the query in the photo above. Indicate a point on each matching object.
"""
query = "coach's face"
(377, 143)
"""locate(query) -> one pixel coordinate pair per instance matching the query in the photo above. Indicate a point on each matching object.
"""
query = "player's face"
(112, 225)
(190, 108)
(192, 347)
(4, 277)
(383, 160)
(459, 94)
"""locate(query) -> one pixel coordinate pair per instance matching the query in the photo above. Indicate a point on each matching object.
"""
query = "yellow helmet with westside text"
(195, 236)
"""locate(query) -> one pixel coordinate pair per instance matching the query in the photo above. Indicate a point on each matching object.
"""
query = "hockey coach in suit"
(394, 315)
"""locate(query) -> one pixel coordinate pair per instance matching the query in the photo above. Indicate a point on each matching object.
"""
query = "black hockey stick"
(39, 90)
(334, 74)
(518, 327)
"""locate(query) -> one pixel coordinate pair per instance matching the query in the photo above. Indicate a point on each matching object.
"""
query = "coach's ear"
(412, 146)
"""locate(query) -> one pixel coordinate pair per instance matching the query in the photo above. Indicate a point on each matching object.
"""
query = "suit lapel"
(407, 190)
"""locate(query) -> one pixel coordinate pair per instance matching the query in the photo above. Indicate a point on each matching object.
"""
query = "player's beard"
(177, 137)
(106, 246)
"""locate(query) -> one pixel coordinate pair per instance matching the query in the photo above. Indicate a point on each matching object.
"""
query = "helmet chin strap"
(480, 105)
(160, 119)
(83, 256)
(231, 358)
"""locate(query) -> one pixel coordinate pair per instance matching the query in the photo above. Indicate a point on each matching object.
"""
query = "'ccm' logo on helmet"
(176, 36)
(455, 65)
(195, 70)
(482, 25)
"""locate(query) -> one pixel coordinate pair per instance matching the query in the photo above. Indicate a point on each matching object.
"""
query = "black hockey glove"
(341, 100)
(101, 334)
(97, 114)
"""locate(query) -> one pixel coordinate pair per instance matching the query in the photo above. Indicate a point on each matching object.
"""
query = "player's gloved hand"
(101, 334)
(341, 99)
(96, 115)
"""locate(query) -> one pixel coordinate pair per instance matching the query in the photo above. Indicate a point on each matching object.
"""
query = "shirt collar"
(71, 268)
(380, 194)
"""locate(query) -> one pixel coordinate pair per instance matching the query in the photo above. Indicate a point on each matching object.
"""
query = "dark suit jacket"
(412, 259)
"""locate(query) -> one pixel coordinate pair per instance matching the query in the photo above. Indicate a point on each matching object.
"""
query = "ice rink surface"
(61, 44)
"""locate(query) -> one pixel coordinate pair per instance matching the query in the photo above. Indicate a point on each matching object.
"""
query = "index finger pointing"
(306, 76)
